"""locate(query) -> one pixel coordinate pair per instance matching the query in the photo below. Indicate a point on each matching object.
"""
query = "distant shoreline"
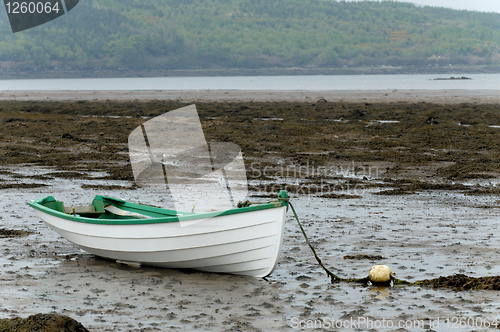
(384, 70)
(371, 96)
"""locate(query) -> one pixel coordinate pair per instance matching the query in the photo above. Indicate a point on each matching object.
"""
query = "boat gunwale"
(36, 204)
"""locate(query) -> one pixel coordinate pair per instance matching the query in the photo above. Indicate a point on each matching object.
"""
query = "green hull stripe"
(49, 205)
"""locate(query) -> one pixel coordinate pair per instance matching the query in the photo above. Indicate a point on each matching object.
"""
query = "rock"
(431, 120)
(41, 323)
(380, 274)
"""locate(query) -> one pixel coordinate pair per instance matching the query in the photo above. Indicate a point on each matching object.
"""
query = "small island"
(452, 78)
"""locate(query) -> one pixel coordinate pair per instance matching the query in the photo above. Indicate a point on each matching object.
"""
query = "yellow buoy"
(380, 274)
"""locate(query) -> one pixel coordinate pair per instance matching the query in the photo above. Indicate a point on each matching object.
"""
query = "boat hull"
(246, 243)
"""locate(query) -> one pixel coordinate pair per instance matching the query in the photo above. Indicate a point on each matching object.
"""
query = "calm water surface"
(263, 83)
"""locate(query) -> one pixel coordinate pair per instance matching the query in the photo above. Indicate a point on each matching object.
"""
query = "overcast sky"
(479, 5)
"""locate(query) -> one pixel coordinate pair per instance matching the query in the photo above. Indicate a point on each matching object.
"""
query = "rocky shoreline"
(126, 72)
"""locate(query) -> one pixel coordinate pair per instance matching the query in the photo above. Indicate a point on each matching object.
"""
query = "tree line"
(195, 34)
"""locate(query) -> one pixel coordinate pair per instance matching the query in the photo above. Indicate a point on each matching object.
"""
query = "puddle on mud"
(420, 236)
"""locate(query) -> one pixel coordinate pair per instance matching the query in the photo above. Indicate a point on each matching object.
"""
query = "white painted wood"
(244, 243)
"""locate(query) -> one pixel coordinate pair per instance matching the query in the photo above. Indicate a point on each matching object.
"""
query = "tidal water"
(261, 83)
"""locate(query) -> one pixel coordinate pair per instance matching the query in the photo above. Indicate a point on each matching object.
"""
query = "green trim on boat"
(55, 208)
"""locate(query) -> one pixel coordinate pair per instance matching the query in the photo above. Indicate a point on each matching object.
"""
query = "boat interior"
(110, 208)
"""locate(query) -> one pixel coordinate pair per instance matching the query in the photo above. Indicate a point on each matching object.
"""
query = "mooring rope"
(333, 277)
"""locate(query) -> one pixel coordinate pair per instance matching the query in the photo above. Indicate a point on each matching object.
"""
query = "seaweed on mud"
(398, 191)
(38, 177)
(461, 282)
(97, 131)
(480, 168)
(340, 196)
(9, 233)
(22, 185)
(483, 191)
(70, 175)
(263, 195)
(410, 187)
(106, 187)
(363, 257)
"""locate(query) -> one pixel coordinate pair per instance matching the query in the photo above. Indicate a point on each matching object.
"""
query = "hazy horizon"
(479, 5)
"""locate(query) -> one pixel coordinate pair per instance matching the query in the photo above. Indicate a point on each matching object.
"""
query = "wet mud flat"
(426, 236)
(410, 185)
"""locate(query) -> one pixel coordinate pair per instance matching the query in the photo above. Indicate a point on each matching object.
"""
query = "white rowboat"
(244, 241)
